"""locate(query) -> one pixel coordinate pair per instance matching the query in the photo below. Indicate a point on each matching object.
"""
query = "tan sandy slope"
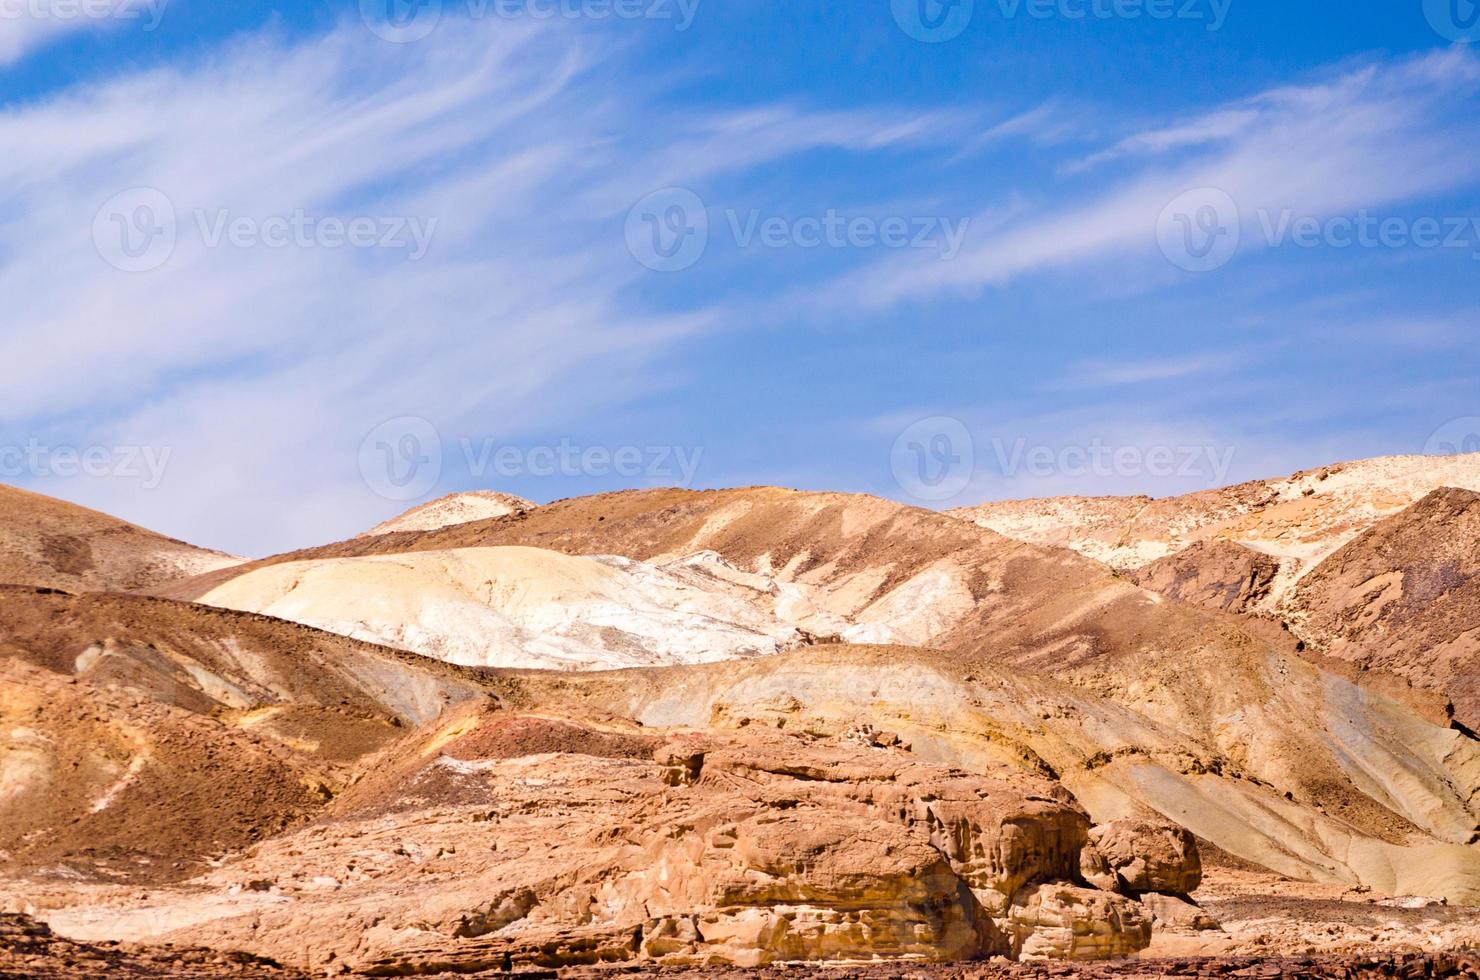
(1404, 598)
(49, 542)
(140, 737)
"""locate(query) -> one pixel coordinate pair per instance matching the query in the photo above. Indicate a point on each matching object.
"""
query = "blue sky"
(1062, 246)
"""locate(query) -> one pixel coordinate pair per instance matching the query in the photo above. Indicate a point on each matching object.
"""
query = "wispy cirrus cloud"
(28, 25)
(1113, 374)
(1374, 135)
(260, 348)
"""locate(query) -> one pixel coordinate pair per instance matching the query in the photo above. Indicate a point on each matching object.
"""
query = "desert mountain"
(783, 773)
(1369, 564)
(517, 606)
(1169, 674)
(1298, 519)
(456, 508)
(48, 542)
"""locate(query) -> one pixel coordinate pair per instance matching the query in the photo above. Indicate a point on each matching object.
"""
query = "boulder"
(1177, 914)
(1066, 922)
(1149, 856)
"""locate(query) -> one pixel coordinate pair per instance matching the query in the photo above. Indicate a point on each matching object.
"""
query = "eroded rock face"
(1150, 857)
(739, 849)
(1065, 922)
(1213, 574)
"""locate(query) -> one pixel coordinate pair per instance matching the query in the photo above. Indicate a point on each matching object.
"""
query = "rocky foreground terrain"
(1225, 735)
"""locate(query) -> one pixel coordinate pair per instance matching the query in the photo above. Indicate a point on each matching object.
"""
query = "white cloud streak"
(29, 25)
(1376, 135)
(263, 368)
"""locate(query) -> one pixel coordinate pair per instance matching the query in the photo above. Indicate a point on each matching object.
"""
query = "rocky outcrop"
(1214, 575)
(1411, 966)
(749, 848)
(29, 949)
(1147, 856)
(1065, 922)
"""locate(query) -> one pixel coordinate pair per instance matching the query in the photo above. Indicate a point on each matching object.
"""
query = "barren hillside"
(52, 543)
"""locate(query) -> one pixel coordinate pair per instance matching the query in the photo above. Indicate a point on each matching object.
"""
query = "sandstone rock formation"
(784, 846)
(29, 949)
